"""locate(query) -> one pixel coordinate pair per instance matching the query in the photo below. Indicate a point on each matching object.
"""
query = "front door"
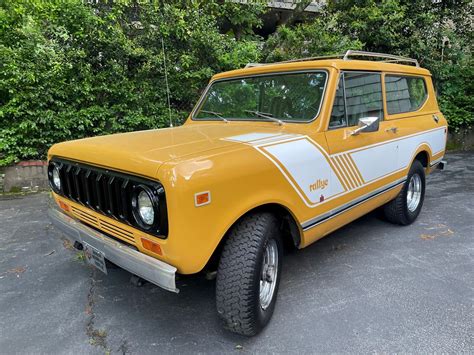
(367, 158)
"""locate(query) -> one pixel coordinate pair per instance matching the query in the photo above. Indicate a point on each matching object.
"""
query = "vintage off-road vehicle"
(273, 156)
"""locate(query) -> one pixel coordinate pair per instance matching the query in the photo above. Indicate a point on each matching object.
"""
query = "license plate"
(95, 257)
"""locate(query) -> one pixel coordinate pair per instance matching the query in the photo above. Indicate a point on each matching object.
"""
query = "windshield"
(286, 97)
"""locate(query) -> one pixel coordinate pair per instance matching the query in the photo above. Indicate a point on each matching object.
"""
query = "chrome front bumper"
(142, 265)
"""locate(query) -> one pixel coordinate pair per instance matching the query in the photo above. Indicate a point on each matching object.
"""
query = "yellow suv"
(272, 156)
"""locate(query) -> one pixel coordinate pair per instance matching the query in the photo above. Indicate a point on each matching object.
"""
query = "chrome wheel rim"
(414, 192)
(269, 274)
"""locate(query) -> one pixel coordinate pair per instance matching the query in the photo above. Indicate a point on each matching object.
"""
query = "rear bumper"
(442, 165)
(439, 164)
(144, 266)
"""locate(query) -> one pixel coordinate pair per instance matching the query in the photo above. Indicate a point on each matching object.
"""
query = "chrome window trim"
(323, 96)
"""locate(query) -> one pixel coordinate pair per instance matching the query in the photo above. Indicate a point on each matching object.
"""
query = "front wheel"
(249, 274)
(406, 207)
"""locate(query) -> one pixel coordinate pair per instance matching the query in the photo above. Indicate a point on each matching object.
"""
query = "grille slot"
(86, 217)
(103, 225)
(101, 192)
(114, 230)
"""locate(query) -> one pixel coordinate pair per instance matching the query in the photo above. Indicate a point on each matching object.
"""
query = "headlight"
(145, 208)
(54, 177)
(144, 204)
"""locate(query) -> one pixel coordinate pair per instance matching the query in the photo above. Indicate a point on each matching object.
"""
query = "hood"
(144, 152)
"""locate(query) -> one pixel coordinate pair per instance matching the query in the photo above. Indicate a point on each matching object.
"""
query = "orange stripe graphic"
(335, 168)
(344, 172)
(351, 170)
(356, 169)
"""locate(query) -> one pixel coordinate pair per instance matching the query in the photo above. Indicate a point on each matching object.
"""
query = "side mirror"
(367, 124)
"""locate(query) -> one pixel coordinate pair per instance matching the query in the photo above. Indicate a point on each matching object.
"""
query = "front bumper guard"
(142, 265)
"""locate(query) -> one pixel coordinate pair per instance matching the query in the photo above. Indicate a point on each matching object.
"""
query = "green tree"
(316, 38)
(73, 69)
(437, 33)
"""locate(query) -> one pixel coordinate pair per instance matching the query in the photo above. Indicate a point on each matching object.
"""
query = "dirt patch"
(440, 230)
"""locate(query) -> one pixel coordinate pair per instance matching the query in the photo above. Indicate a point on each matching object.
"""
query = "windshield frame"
(200, 102)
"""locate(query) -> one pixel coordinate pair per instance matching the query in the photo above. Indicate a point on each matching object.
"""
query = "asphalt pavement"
(369, 287)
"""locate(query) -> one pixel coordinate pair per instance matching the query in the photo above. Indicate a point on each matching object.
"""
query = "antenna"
(166, 80)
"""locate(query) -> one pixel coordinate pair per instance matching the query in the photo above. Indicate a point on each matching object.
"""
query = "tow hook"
(137, 281)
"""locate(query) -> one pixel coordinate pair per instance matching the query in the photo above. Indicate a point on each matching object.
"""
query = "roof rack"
(389, 58)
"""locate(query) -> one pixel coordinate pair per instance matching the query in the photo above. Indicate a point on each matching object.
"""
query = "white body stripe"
(385, 159)
(303, 162)
(435, 139)
(251, 137)
(376, 162)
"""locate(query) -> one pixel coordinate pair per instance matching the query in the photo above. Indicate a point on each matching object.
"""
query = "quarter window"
(358, 95)
(404, 93)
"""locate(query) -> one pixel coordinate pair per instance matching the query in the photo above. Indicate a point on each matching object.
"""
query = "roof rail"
(346, 56)
(391, 58)
(334, 56)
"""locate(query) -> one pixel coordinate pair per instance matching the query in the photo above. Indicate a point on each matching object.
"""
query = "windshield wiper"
(266, 115)
(217, 114)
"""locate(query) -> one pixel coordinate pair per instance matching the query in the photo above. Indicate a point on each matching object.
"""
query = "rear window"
(404, 93)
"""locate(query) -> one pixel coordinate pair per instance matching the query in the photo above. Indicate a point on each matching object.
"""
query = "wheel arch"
(422, 154)
(291, 229)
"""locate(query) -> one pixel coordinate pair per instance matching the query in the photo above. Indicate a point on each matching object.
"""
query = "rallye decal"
(318, 177)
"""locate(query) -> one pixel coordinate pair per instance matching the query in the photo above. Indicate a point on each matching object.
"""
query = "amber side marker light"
(151, 246)
(202, 198)
(64, 206)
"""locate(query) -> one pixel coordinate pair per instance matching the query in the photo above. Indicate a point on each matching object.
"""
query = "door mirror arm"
(366, 124)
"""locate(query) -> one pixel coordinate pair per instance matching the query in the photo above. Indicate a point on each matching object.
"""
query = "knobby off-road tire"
(406, 207)
(240, 274)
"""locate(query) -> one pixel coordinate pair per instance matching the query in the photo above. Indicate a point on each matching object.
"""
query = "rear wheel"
(406, 207)
(249, 274)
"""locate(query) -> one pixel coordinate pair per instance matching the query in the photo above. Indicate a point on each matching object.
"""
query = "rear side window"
(358, 95)
(404, 93)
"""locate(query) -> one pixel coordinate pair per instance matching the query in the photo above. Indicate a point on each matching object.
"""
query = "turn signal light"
(202, 198)
(151, 246)
(64, 206)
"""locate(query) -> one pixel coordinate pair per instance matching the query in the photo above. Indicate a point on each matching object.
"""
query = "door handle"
(436, 118)
(392, 129)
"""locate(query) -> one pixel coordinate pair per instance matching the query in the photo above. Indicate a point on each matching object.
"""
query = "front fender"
(238, 181)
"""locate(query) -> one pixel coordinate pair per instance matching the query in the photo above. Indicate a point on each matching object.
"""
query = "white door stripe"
(304, 163)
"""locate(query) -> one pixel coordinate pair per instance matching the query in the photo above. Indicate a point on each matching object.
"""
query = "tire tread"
(395, 211)
(235, 296)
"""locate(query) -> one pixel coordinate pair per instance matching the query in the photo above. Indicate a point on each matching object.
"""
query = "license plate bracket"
(95, 257)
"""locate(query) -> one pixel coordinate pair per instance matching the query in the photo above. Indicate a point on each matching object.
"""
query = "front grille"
(108, 193)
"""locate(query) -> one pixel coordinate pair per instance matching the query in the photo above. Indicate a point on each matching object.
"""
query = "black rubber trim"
(352, 205)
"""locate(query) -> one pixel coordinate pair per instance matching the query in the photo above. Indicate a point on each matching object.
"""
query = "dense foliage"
(72, 68)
